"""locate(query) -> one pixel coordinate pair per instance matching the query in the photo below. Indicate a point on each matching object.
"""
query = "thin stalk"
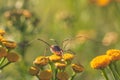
(116, 69)
(116, 76)
(52, 67)
(5, 65)
(112, 73)
(104, 74)
(73, 76)
(56, 71)
(38, 77)
(2, 60)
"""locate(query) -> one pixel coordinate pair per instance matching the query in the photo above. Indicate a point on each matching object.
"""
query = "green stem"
(112, 72)
(116, 76)
(56, 71)
(104, 74)
(116, 69)
(38, 77)
(2, 60)
(52, 67)
(5, 65)
(73, 76)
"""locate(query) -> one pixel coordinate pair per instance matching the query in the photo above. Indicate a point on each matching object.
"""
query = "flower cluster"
(103, 3)
(54, 67)
(6, 54)
(107, 60)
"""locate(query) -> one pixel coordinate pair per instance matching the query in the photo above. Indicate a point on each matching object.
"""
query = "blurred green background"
(26, 20)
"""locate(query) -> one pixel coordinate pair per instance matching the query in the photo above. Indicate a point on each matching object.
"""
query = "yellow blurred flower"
(7, 14)
(9, 44)
(68, 56)
(110, 38)
(45, 75)
(77, 68)
(41, 61)
(114, 54)
(63, 16)
(12, 57)
(100, 62)
(33, 70)
(3, 52)
(84, 35)
(2, 32)
(27, 13)
(102, 2)
(1, 38)
(62, 76)
(55, 58)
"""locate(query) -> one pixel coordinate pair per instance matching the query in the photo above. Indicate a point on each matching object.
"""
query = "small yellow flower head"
(102, 2)
(60, 65)
(62, 76)
(2, 32)
(55, 58)
(12, 57)
(45, 75)
(68, 56)
(100, 62)
(3, 52)
(9, 44)
(41, 61)
(33, 70)
(77, 68)
(114, 54)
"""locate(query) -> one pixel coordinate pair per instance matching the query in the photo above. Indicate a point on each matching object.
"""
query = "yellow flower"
(60, 65)
(9, 44)
(102, 2)
(33, 70)
(12, 57)
(2, 32)
(41, 61)
(45, 75)
(100, 62)
(68, 56)
(55, 58)
(77, 68)
(114, 54)
(3, 52)
(62, 76)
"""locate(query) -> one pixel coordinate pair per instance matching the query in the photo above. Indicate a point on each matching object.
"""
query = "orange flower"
(9, 44)
(60, 65)
(68, 56)
(33, 70)
(62, 76)
(100, 62)
(12, 57)
(55, 58)
(3, 52)
(45, 75)
(41, 61)
(114, 54)
(77, 68)
(102, 2)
